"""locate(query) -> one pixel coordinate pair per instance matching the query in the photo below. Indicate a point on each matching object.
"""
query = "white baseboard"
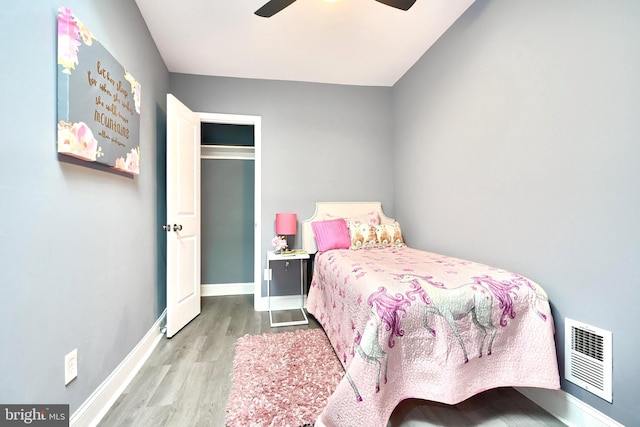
(226, 289)
(567, 408)
(96, 406)
(288, 302)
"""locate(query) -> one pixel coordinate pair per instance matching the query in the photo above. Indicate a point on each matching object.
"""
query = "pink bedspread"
(413, 324)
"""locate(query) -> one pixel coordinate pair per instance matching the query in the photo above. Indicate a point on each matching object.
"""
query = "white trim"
(96, 406)
(567, 408)
(216, 290)
(285, 302)
(257, 276)
(256, 121)
(260, 303)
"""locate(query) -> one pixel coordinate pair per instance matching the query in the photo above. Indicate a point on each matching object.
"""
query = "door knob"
(166, 227)
(177, 227)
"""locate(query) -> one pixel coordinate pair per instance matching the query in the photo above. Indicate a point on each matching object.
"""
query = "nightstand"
(287, 258)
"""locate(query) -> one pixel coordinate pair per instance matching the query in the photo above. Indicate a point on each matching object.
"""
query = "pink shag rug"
(282, 379)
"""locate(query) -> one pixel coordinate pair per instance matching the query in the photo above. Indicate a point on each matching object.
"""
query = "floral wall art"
(98, 100)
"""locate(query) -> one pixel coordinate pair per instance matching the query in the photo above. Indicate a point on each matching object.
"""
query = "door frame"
(256, 122)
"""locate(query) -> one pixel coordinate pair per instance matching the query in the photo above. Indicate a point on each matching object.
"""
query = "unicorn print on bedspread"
(504, 291)
(453, 304)
(535, 296)
(386, 313)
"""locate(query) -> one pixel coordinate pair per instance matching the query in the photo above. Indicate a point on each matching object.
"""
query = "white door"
(183, 215)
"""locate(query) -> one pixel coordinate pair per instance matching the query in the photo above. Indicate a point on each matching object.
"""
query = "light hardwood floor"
(186, 380)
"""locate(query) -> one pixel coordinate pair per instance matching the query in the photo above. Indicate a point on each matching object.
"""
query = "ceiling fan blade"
(272, 7)
(398, 4)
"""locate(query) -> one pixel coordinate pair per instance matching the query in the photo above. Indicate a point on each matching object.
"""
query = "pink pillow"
(331, 234)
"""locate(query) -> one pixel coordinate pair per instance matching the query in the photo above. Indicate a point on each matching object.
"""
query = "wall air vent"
(588, 358)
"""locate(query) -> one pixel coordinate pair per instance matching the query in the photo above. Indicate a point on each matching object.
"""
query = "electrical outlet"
(267, 274)
(71, 366)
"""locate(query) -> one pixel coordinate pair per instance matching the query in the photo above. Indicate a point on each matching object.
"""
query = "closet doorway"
(230, 204)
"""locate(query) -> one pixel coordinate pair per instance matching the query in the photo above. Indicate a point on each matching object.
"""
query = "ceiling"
(354, 42)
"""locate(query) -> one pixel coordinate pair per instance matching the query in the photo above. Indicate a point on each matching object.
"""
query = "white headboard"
(337, 209)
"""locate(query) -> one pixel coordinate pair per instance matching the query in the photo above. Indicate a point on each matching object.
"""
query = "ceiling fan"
(274, 6)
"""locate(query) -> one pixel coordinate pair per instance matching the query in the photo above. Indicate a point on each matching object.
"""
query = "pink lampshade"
(286, 224)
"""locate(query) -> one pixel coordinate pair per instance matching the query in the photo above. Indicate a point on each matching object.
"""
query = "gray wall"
(78, 256)
(319, 142)
(517, 144)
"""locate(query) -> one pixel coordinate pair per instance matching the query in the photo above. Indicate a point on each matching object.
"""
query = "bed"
(407, 323)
